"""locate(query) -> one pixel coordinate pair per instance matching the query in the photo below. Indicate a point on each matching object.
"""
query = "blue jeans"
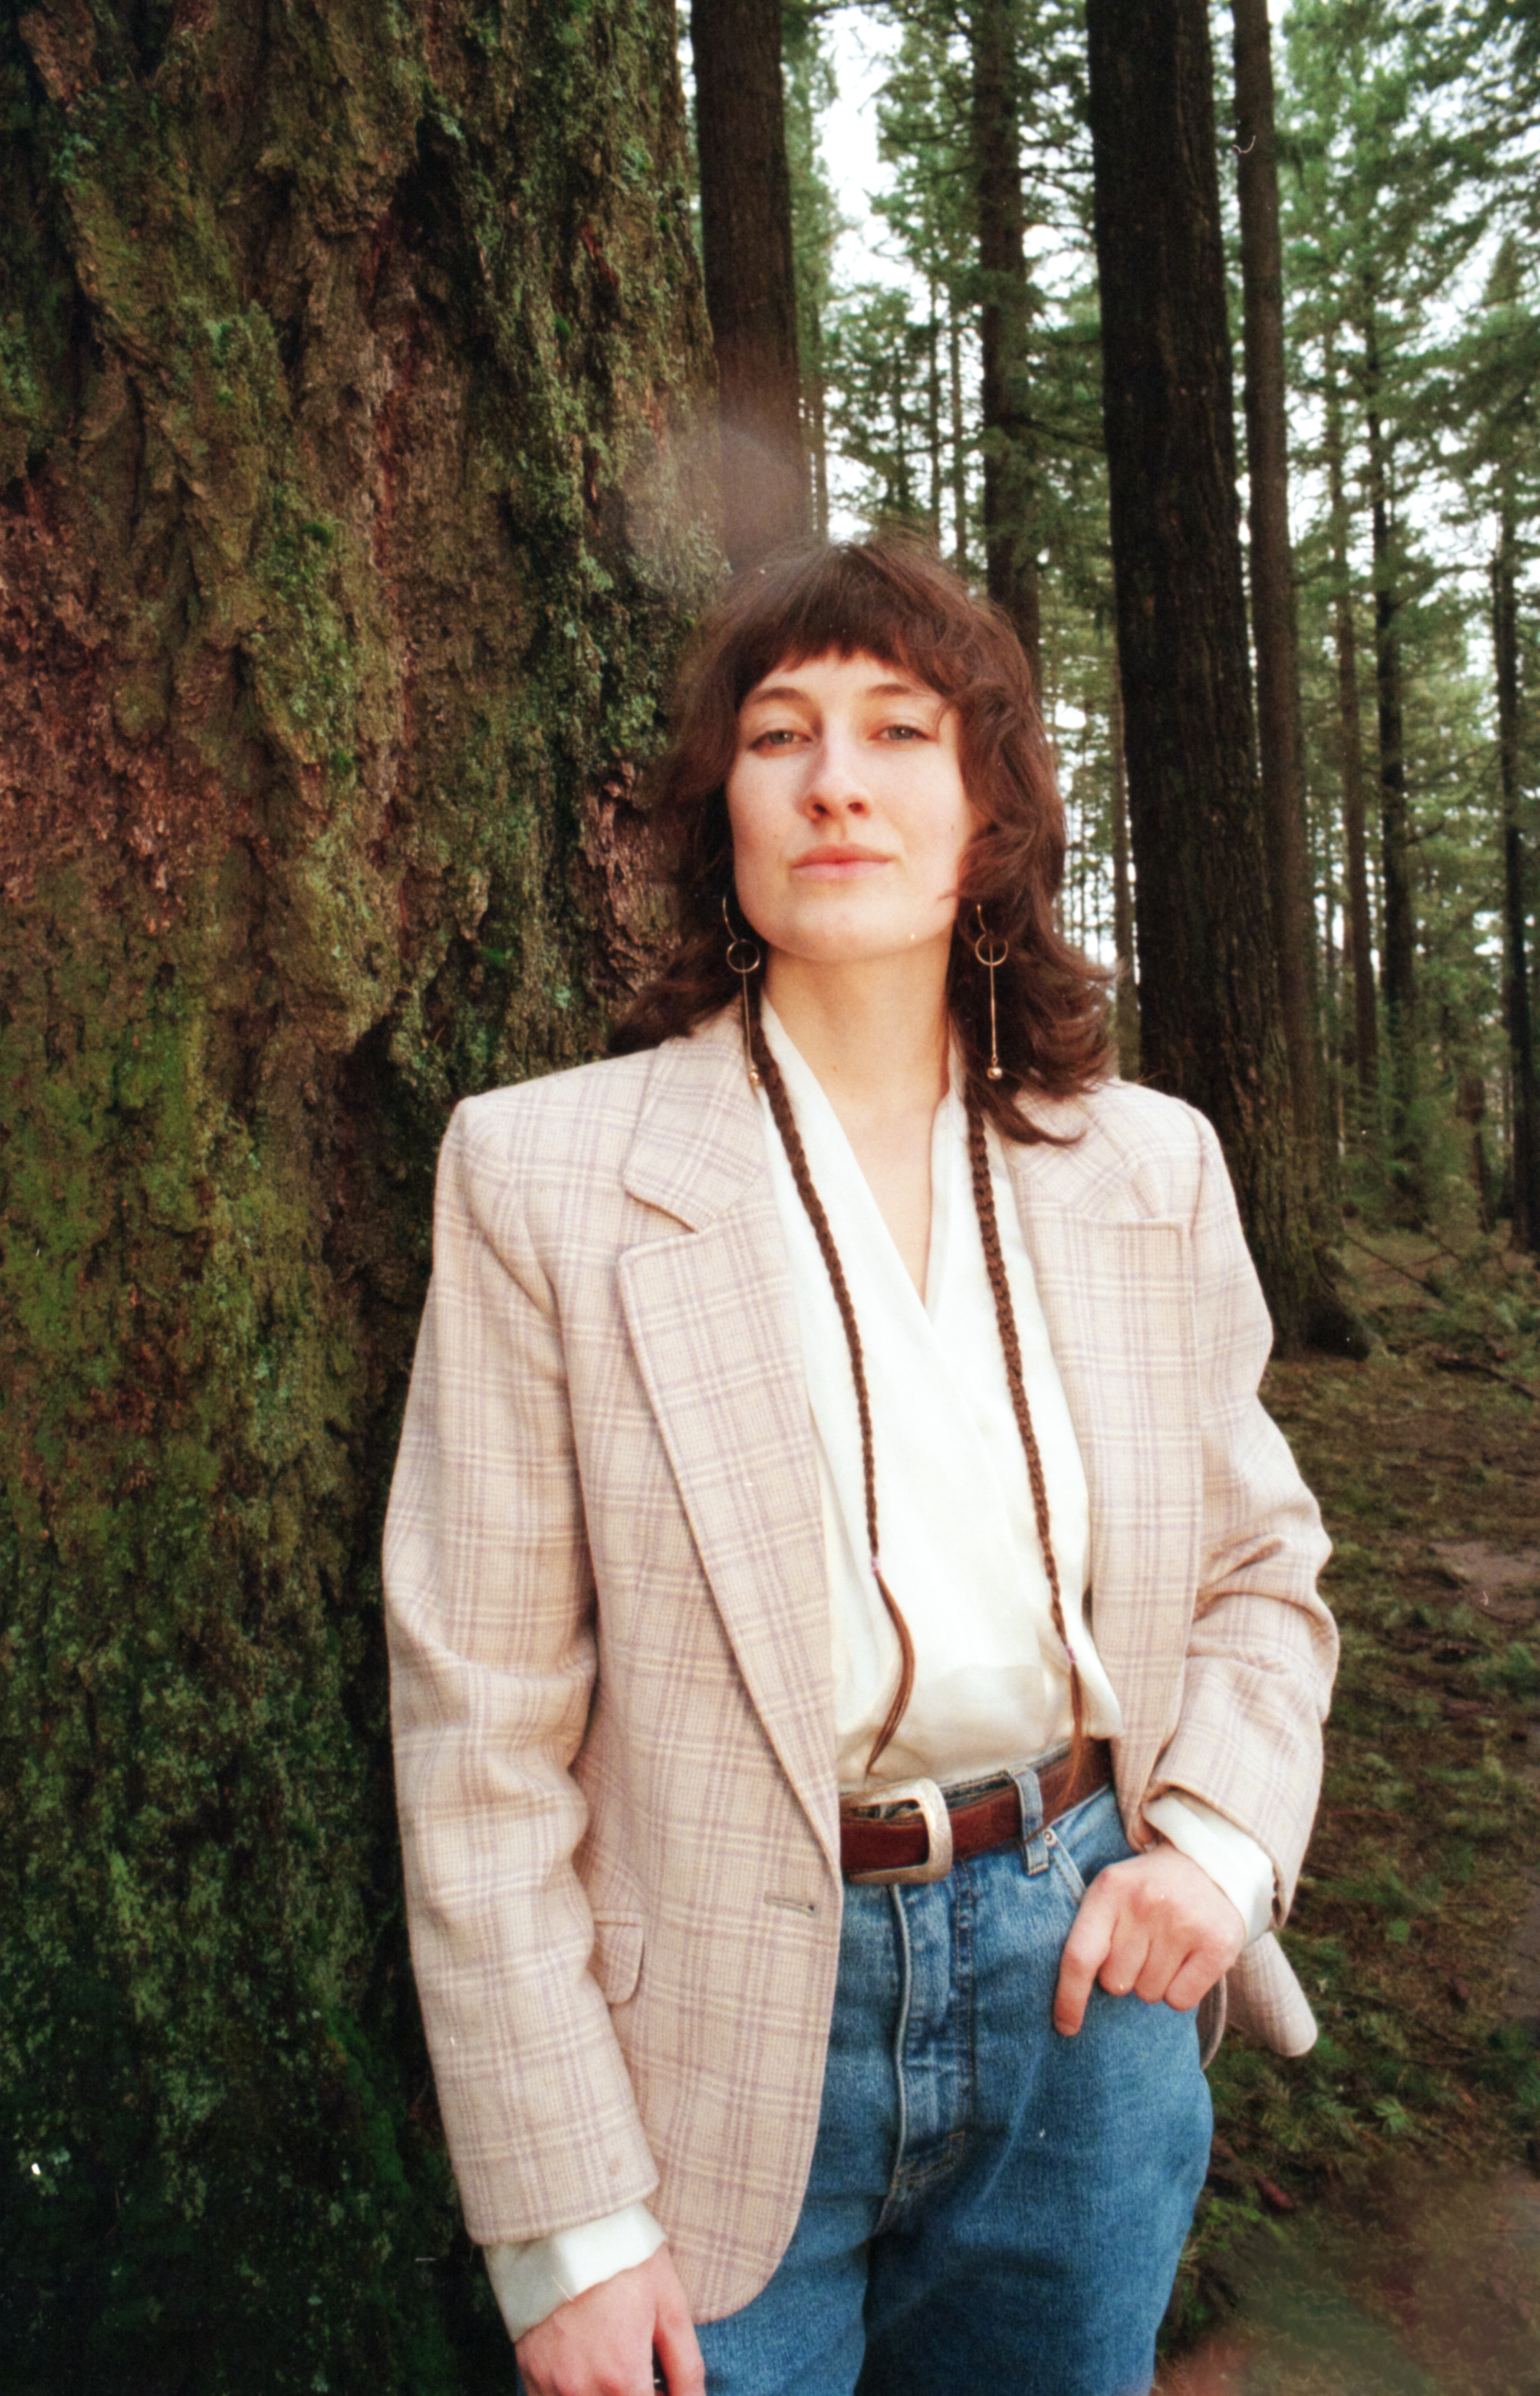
(993, 2210)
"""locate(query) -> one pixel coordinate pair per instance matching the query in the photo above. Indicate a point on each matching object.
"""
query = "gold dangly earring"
(743, 958)
(992, 952)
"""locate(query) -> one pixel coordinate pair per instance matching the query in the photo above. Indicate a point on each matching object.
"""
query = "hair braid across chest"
(796, 1156)
(994, 1260)
(786, 1124)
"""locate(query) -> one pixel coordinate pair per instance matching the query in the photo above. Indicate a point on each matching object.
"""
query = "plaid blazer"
(609, 1623)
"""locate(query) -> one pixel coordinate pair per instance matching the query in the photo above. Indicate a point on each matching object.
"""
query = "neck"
(876, 1032)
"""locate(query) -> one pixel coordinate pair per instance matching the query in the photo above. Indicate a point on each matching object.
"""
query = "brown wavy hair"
(893, 601)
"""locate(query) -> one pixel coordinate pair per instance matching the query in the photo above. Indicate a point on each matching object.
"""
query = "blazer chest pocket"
(616, 1955)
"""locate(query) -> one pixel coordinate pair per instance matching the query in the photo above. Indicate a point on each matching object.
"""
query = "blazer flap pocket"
(617, 1955)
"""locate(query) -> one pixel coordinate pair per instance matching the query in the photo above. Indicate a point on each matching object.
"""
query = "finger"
(1149, 1952)
(1191, 1983)
(1186, 1985)
(1151, 1981)
(681, 2370)
(679, 2367)
(1085, 1952)
(1130, 1961)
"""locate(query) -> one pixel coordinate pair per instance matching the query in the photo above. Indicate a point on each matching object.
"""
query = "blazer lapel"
(1117, 1297)
(713, 1324)
(712, 1317)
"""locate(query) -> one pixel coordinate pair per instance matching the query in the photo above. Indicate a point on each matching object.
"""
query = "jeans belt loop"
(1034, 1840)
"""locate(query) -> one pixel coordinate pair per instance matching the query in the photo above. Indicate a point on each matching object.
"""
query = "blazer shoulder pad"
(611, 1090)
(1129, 1147)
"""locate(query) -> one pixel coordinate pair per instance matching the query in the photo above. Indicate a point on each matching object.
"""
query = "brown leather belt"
(931, 1834)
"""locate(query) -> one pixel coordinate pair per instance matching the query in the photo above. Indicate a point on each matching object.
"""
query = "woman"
(858, 1669)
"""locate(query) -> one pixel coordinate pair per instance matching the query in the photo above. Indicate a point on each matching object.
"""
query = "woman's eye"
(904, 732)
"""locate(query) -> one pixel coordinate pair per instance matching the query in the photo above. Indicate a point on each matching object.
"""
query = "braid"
(994, 1259)
(988, 1227)
(786, 1123)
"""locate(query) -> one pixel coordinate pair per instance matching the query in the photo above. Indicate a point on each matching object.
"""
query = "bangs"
(898, 606)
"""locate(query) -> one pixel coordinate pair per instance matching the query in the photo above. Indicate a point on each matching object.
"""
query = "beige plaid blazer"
(609, 1623)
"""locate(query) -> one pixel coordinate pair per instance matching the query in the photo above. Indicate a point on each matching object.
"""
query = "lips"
(838, 860)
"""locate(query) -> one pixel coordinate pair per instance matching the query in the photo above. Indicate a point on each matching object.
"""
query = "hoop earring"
(991, 951)
(743, 958)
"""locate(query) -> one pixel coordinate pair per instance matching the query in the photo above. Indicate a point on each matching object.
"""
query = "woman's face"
(848, 813)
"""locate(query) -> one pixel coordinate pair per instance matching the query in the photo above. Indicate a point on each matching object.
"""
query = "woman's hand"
(600, 2343)
(1156, 1926)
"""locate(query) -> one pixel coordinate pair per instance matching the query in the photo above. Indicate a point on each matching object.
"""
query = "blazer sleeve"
(1262, 1650)
(490, 1614)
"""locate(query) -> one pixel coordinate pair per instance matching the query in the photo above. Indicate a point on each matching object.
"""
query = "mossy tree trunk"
(1399, 953)
(1517, 972)
(1275, 630)
(1012, 499)
(751, 269)
(353, 496)
(1128, 1007)
(1209, 1015)
(1365, 1036)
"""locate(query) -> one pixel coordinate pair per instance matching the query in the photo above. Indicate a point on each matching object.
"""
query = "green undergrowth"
(1426, 1459)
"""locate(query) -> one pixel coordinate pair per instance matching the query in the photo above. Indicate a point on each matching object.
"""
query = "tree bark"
(344, 537)
(903, 484)
(933, 413)
(1122, 890)
(750, 271)
(958, 444)
(817, 423)
(1208, 994)
(1361, 942)
(1011, 527)
(1526, 1101)
(1325, 901)
(1398, 962)
(1274, 623)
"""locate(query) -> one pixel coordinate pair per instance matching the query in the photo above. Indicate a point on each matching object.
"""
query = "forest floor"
(1371, 2222)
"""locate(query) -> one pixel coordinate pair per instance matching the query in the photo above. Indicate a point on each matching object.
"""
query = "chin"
(839, 945)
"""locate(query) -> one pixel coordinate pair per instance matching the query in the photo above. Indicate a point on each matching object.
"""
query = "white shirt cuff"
(531, 2278)
(1230, 1856)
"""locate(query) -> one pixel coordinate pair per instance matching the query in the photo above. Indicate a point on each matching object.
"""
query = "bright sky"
(862, 47)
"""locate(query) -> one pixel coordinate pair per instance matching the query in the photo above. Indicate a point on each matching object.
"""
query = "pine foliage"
(1411, 238)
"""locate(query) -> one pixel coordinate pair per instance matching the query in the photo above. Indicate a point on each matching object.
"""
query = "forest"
(384, 392)
(1377, 192)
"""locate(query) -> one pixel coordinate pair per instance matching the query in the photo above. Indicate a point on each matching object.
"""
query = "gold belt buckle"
(932, 1805)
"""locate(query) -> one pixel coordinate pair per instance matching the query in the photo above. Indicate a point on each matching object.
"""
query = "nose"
(836, 782)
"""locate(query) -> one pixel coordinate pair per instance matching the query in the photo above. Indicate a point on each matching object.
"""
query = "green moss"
(35, 286)
(192, 1717)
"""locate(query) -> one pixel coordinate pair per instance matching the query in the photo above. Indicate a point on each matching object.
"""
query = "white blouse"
(960, 1547)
